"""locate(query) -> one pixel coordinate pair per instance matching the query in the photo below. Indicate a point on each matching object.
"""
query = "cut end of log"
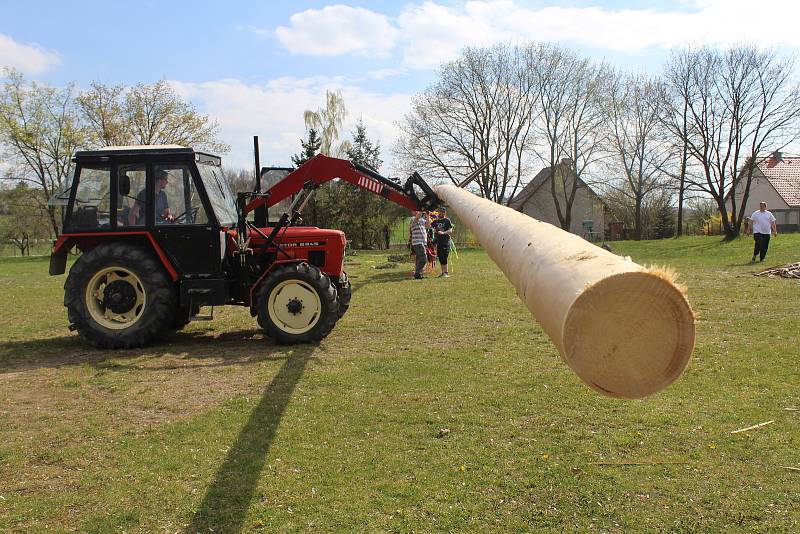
(668, 274)
(631, 334)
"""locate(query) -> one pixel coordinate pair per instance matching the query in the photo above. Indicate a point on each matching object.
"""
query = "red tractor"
(161, 235)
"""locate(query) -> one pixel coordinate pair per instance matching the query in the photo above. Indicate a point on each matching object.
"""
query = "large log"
(625, 330)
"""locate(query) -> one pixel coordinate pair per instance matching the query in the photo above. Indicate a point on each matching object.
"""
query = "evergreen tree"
(664, 224)
(310, 148)
(362, 151)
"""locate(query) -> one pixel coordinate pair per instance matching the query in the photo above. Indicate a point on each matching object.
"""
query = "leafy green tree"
(20, 221)
(145, 114)
(40, 128)
(103, 109)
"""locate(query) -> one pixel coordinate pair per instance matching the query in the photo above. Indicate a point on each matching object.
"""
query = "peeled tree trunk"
(627, 331)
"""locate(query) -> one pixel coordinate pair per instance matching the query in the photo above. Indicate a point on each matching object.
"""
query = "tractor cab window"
(176, 199)
(92, 207)
(222, 200)
(131, 181)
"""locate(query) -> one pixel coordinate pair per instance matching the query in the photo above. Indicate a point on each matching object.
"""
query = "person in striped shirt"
(419, 238)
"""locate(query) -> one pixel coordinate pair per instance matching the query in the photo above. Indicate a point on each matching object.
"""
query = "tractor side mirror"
(124, 185)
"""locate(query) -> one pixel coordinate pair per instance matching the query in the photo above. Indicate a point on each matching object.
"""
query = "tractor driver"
(162, 211)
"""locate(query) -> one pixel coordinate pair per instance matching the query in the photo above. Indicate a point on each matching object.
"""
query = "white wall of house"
(586, 207)
(761, 191)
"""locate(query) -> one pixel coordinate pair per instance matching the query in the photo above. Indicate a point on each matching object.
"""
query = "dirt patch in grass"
(135, 389)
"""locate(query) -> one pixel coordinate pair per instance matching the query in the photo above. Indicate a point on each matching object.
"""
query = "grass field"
(37, 249)
(217, 428)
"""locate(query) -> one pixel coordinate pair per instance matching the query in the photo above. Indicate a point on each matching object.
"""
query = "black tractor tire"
(141, 298)
(297, 304)
(344, 292)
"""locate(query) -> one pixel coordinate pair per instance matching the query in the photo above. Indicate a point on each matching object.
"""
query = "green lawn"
(217, 428)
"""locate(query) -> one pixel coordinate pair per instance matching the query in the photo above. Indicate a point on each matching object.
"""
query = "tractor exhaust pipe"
(625, 330)
(260, 216)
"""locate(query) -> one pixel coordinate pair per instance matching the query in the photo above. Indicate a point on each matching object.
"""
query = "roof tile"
(784, 175)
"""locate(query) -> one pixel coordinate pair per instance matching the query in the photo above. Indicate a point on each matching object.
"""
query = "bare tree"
(40, 128)
(675, 117)
(480, 106)
(570, 91)
(741, 103)
(146, 115)
(637, 139)
(239, 179)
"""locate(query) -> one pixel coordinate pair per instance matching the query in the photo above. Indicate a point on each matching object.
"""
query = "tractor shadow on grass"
(226, 503)
(388, 277)
(180, 350)
(57, 351)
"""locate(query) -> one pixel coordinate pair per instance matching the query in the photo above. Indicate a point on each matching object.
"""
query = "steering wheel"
(187, 217)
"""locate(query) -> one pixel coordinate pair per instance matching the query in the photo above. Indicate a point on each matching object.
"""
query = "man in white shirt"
(762, 225)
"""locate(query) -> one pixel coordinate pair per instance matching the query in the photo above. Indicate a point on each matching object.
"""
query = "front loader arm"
(321, 169)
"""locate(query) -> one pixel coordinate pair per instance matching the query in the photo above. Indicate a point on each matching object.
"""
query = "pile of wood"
(787, 271)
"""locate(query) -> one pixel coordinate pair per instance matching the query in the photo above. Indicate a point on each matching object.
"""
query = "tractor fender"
(58, 256)
(87, 241)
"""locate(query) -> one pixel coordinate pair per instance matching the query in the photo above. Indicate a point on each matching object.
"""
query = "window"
(175, 195)
(92, 207)
(222, 201)
(130, 187)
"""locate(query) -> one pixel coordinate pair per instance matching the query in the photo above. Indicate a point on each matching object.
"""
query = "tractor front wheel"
(118, 296)
(297, 304)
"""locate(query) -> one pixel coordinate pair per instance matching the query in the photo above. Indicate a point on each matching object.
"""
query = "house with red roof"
(776, 181)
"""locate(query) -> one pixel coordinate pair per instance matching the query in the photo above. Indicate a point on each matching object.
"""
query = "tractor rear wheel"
(344, 294)
(297, 304)
(118, 296)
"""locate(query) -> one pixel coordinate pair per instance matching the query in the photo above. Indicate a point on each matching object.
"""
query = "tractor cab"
(169, 194)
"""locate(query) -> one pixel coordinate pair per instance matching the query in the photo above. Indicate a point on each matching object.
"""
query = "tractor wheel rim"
(104, 315)
(282, 306)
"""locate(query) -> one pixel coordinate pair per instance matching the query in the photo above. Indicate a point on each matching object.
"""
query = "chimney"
(777, 156)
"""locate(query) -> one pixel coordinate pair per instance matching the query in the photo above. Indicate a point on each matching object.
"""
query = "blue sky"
(255, 66)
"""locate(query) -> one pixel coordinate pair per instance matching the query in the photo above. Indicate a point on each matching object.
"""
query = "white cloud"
(335, 30)
(428, 33)
(274, 111)
(435, 32)
(382, 74)
(28, 58)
